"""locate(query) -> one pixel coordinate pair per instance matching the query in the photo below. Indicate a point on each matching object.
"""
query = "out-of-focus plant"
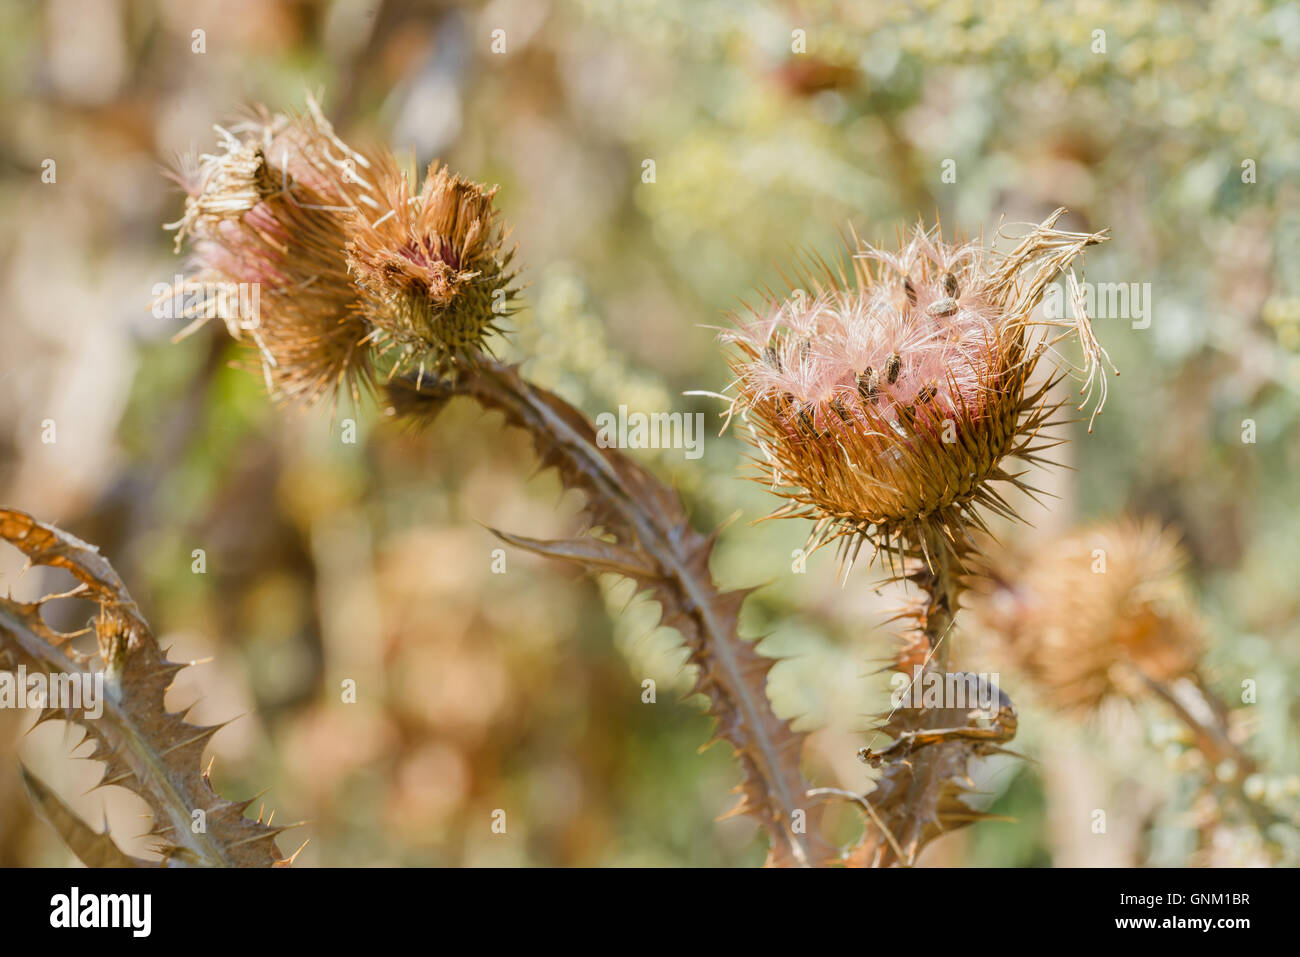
(1103, 615)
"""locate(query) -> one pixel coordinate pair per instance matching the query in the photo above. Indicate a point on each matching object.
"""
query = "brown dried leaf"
(921, 794)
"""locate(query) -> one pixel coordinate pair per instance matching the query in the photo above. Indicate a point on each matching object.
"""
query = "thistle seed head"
(268, 212)
(928, 353)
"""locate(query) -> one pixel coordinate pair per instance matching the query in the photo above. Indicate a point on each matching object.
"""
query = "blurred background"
(771, 128)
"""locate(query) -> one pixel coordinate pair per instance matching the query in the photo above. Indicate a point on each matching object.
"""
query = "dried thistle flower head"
(432, 266)
(317, 253)
(1095, 615)
(884, 404)
(265, 220)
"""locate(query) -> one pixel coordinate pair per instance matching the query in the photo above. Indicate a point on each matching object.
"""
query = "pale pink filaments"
(916, 346)
(431, 250)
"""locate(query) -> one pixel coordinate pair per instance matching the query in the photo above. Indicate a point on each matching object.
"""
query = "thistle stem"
(911, 791)
(630, 498)
(939, 579)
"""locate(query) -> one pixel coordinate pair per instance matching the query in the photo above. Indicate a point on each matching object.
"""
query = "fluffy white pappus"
(834, 353)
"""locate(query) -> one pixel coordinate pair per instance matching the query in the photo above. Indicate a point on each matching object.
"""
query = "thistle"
(1104, 615)
(884, 404)
(347, 264)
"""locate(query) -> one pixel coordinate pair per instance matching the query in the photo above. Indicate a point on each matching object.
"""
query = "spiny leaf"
(93, 848)
(144, 747)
